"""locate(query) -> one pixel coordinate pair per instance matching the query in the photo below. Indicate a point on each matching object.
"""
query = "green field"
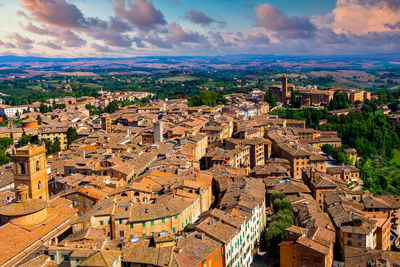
(181, 78)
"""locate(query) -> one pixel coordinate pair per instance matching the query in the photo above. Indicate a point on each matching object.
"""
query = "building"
(307, 247)
(13, 111)
(106, 123)
(30, 170)
(198, 250)
(31, 221)
(282, 92)
(52, 133)
(158, 132)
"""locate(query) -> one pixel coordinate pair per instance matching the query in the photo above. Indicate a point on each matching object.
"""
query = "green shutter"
(143, 224)
(131, 225)
(101, 222)
(163, 220)
(152, 222)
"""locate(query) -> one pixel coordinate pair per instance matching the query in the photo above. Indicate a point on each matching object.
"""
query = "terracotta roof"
(104, 258)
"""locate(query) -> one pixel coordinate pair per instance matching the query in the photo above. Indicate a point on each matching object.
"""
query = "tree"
(72, 135)
(283, 218)
(208, 98)
(295, 99)
(340, 100)
(270, 99)
(39, 119)
(56, 146)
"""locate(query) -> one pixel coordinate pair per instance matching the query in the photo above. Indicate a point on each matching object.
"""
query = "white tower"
(158, 132)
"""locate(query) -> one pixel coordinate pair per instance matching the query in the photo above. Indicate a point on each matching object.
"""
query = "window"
(349, 242)
(84, 204)
(215, 258)
(39, 185)
(348, 235)
(22, 168)
(65, 257)
(173, 229)
(219, 255)
(131, 225)
(143, 224)
(101, 223)
(52, 257)
(163, 220)
(359, 236)
(176, 217)
(152, 223)
(121, 233)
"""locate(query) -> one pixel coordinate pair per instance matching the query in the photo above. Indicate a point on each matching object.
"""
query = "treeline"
(368, 131)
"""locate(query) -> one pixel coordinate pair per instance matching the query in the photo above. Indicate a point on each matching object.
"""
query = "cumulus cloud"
(55, 12)
(198, 17)
(22, 43)
(361, 16)
(142, 14)
(51, 45)
(157, 41)
(258, 39)
(273, 19)
(100, 48)
(219, 40)
(178, 35)
(393, 26)
(70, 39)
(37, 30)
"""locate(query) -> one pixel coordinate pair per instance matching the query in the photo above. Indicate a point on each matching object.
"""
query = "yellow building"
(106, 123)
(52, 133)
(30, 170)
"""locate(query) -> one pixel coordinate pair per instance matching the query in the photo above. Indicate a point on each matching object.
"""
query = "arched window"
(37, 165)
(39, 185)
(145, 199)
(136, 194)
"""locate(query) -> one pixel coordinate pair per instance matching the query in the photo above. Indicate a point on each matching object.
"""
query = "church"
(32, 220)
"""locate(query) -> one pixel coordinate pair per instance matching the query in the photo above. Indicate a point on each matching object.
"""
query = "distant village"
(165, 184)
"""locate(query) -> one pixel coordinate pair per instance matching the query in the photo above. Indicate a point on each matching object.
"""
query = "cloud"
(219, 40)
(198, 17)
(157, 41)
(51, 45)
(273, 19)
(22, 43)
(55, 12)
(37, 30)
(178, 35)
(118, 25)
(393, 26)
(361, 16)
(100, 48)
(142, 14)
(70, 39)
(258, 39)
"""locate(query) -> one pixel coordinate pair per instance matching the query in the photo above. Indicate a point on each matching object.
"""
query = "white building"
(12, 111)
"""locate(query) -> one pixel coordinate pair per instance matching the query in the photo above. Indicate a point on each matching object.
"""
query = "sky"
(128, 28)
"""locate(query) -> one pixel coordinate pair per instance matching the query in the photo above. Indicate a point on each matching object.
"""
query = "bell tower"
(284, 87)
(30, 171)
